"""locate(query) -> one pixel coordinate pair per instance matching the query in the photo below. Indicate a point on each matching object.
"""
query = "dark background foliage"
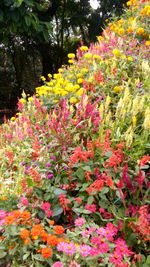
(36, 36)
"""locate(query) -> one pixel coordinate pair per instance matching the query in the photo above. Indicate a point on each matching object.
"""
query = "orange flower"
(25, 215)
(10, 219)
(16, 214)
(46, 252)
(52, 240)
(44, 236)
(36, 231)
(24, 234)
(58, 229)
(27, 241)
(51, 222)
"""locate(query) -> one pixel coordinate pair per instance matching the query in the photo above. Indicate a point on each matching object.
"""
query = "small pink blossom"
(101, 231)
(70, 248)
(85, 233)
(85, 250)
(94, 251)
(116, 258)
(45, 206)
(79, 222)
(74, 264)
(24, 201)
(3, 214)
(61, 246)
(57, 264)
(49, 213)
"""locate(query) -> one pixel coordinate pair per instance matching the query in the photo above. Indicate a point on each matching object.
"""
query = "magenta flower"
(103, 246)
(3, 214)
(85, 250)
(57, 264)
(94, 251)
(45, 206)
(116, 258)
(79, 222)
(101, 231)
(95, 240)
(24, 201)
(70, 248)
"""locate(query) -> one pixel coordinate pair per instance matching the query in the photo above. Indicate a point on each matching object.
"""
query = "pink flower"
(61, 246)
(92, 229)
(85, 233)
(57, 264)
(49, 213)
(91, 207)
(103, 246)
(45, 206)
(74, 264)
(3, 214)
(124, 264)
(70, 248)
(95, 240)
(24, 201)
(116, 258)
(94, 251)
(101, 231)
(79, 222)
(85, 250)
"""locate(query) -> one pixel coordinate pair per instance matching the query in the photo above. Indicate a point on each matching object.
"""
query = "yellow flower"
(130, 58)
(12, 118)
(147, 43)
(84, 48)
(140, 31)
(30, 98)
(50, 75)
(121, 31)
(43, 78)
(70, 61)
(73, 100)
(88, 55)
(116, 52)
(117, 89)
(71, 55)
(96, 57)
(22, 100)
(80, 80)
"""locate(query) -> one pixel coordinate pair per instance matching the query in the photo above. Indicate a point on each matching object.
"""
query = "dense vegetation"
(74, 160)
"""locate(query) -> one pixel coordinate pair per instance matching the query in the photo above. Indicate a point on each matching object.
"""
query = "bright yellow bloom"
(116, 52)
(43, 78)
(96, 57)
(71, 55)
(140, 31)
(30, 98)
(88, 55)
(84, 48)
(70, 61)
(117, 89)
(80, 80)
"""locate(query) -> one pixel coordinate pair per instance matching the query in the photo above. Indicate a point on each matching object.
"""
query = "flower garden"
(74, 177)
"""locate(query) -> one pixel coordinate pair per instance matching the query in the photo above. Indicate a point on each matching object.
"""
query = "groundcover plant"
(74, 178)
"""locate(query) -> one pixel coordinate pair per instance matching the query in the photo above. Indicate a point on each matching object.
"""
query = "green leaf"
(2, 254)
(80, 174)
(59, 191)
(86, 168)
(148, 260)
(18, 3)
(27, 20)
(104, 190)
(39, 257)
(57, 211)
(90, 200)
(80, 210)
